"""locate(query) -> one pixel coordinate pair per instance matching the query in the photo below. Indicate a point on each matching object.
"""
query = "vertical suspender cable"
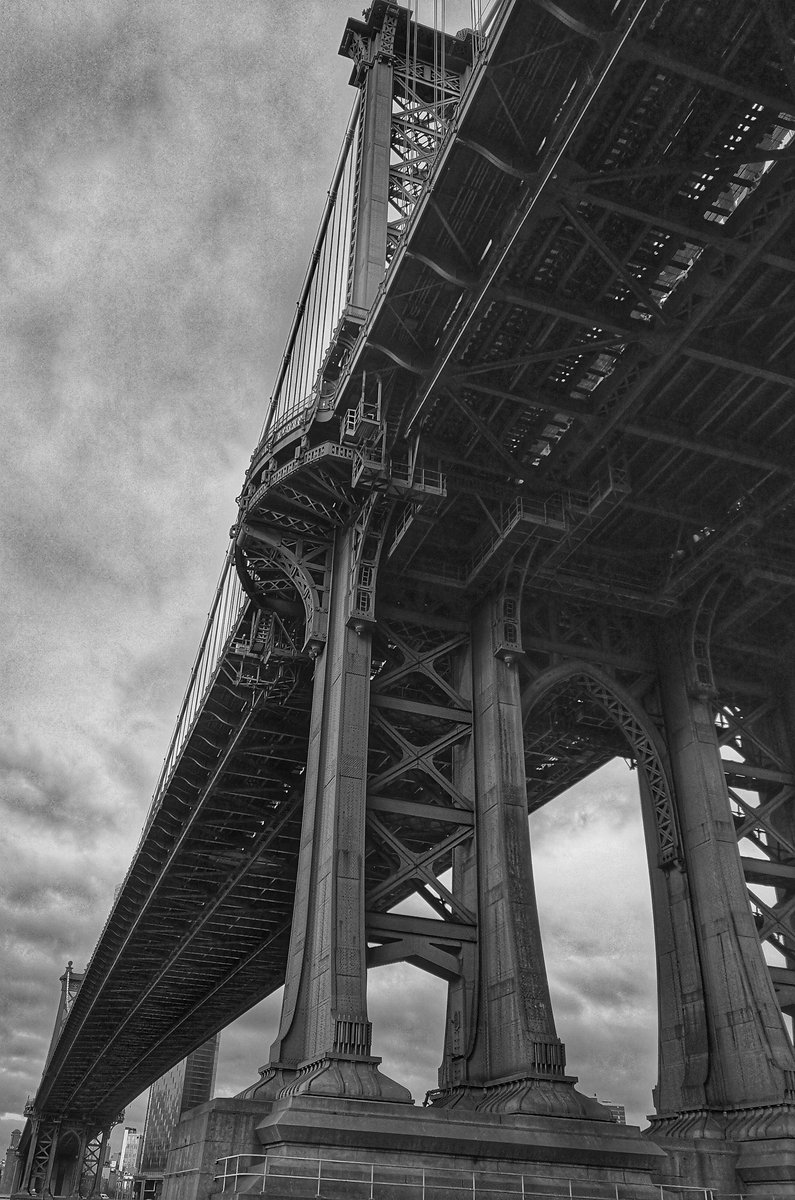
(340, 248)
(326, 286)
(443, 66)
(310, 272)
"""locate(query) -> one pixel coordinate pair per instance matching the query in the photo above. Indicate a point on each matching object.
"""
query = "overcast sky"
(164, 168)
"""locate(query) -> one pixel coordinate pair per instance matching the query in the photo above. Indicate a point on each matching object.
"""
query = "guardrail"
(351, 1180)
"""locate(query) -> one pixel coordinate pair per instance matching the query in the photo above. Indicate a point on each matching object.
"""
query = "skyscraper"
(189, 1083)
(128, 1161)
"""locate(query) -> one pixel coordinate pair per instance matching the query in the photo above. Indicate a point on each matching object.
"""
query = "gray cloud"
(43, 790)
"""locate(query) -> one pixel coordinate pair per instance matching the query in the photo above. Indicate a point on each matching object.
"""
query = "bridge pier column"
(324, 1041)
(683, 1052)
(502, 1052)
(749, 1088)
(37, 1169)
(64, 1158)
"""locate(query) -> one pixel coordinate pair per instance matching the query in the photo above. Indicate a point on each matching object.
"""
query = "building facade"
(189, 1083)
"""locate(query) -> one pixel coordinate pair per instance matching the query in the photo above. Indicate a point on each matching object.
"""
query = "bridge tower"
(424, 711)
(62, 1155)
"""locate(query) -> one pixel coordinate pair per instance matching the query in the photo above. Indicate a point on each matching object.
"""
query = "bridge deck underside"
(594, 311)
(605, 320)
(200, 928)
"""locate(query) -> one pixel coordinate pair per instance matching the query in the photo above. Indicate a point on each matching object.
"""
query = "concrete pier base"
(351, 1148)
(763, 1168)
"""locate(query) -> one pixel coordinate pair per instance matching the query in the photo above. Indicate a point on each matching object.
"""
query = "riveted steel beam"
(677, 64)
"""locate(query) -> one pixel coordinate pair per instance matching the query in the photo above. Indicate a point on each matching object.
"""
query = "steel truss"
(65, 1157)
(761, 785)
(416, 815)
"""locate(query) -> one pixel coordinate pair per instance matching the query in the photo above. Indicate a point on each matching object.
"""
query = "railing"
(418, 478)
(222, 619)
(330, 1177)
(524, 510)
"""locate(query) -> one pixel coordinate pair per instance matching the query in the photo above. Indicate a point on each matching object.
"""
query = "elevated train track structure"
(524, 501)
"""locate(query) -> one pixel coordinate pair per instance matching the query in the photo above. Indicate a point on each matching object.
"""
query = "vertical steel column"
(324, 1041)
(26, 1172)
(323, 1047)
(683, 1045)
(93, 1145)
(751, 1060)
(509, 1058)
(368, 258)
(784, 819)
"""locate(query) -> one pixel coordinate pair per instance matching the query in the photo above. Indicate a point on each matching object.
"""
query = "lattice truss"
(50, 1172)
(583, 725)
(573, 733)
(424, 101)
(278, 569)
(416, 814)
(45, 1132)
(759, 774)
(632, 285)
(91, 1164)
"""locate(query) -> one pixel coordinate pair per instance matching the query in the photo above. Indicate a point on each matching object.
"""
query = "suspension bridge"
(524, 500)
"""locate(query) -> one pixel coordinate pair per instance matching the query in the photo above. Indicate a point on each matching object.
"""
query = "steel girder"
(590, 313)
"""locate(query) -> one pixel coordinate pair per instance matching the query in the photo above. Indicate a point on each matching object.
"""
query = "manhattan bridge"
(524, 501)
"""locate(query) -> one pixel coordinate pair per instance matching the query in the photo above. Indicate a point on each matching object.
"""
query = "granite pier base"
(348, 1149)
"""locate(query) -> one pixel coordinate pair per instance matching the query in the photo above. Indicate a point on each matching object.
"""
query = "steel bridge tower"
(422, 710)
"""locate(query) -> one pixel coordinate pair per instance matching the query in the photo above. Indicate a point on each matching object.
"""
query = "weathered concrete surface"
(763, 1168)
(211, 1131)
(392, 1131)
(402, 1138)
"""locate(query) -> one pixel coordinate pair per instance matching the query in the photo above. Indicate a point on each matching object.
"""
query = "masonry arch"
(577, 718)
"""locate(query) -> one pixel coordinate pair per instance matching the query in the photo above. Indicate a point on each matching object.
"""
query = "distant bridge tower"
(9, 1171)
(63, 1155)
(425, 700)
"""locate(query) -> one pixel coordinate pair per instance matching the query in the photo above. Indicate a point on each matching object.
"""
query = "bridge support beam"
(502, 1052)
(749, 1080)
(324, 1042)
(373, 58)
(506, 1105)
